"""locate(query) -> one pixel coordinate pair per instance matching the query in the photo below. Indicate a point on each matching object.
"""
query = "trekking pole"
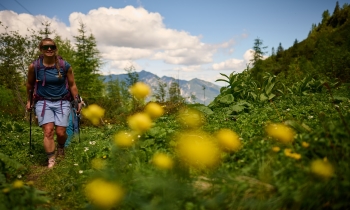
(76, 106)
(30, 119)
(78, 119)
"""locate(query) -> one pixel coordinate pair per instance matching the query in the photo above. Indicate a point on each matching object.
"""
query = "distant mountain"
(187, 88)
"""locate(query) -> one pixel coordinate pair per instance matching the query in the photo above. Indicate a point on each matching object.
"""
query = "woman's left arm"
(73, 87)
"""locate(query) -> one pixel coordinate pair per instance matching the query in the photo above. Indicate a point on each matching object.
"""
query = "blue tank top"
(54, 87)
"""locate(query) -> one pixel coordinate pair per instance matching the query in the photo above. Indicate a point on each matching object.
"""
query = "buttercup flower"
(140, 122)
(124, 139)
(154, 110)
(280, 132)
(198, 150)
(191, 118)
(295, 156)
(104, 194)
(228, 140)
(30, 183)
(322, 168)
(140, 90)
(305, 144)
(276, 149)
(93, 113)
(17, 184)
(162, 161)
(287, 151)
(97, 163)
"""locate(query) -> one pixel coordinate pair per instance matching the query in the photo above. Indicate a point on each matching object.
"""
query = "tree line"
(324, 54)
(18, 51)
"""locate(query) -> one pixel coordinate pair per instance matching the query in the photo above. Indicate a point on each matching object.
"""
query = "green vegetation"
(287, 146)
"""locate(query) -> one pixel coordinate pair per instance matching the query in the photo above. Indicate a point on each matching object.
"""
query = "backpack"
(37, 97)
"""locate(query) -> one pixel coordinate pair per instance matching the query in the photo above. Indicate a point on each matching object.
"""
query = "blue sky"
(186, 39)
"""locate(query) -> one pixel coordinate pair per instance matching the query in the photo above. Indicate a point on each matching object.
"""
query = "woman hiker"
(51, 81)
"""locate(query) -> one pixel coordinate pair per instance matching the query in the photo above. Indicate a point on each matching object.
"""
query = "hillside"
(187, 88)
(324, 54)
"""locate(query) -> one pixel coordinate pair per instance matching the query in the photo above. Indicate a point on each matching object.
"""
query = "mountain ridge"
(187, 87)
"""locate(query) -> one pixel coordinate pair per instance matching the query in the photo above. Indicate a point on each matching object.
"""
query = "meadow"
(274, 151)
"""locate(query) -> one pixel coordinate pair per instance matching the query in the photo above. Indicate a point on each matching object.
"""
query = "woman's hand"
(29, 106)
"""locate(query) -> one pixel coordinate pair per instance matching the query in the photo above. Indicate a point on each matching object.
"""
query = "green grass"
(253, 178)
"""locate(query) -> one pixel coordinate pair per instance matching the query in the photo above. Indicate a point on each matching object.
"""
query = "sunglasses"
(46, 47)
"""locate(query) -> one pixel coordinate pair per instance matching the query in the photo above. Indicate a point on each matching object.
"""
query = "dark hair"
(56, 56)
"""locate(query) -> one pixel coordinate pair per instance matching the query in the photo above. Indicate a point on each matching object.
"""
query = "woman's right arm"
(30, 85)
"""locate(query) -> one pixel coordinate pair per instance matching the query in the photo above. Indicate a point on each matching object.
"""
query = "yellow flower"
(140, 122)
(322, 168)
(198, 150)
(228, 140)
(154, 110)
(6, 190)
(305, 144)
(124, 139)
(287, 152)
(17, 184)
(104, 194)
(93, 113)
(140, 90)
(280, 132)
(276, 149)
(30, 183)
(162, 161)
(104, 157)
(97, 163)
(295, 156)
(191, 118)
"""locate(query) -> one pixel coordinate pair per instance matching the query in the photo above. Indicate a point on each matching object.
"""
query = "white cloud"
(140, 33)
(124, 64)
(248, 55)
(125, 36)
(124, 53)
(188, 68)
(231, 64)
(23, 22)
(234, 64)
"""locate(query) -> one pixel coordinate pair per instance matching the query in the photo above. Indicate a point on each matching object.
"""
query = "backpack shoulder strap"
(62, 63)
(63, 66)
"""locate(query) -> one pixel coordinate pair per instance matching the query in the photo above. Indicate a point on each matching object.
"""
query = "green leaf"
(147, 143)
(236, 108)
(204, 109)
(338, 99)
(263, 97)
(227, 99)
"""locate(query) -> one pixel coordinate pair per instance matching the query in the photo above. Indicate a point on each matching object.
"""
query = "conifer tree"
(132, 75)
(16, 53)
(336, 9)
(160, 92)
(280, 49)
(86, 65)
(325, 17)
(174, 92)
(295, 42)
(131, 79)
(259, 52)
(65, 49)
